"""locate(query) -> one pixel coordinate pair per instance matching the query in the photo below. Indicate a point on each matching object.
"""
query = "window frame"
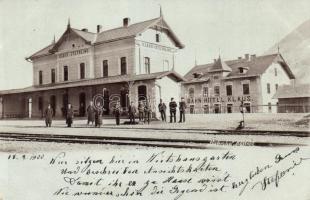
(40, 77)
(105, 68)
(243, 91)
(66, 73)
(219, 90)
(147, 65)
(53, 75)
(82, 70)
(231, 90)
(268, 88)
(123, 65)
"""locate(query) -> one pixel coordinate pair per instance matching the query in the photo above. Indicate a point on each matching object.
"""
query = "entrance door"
(124, 98)
(217, 108)
(82, 103)
(106, 102)
(64, 104)
(229, 108)
(142, 95)
(53, 104)
(192, 109)
(206, 109)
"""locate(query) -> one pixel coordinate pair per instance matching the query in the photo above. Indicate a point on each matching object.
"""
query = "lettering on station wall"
(158, 47)
(219, 99)
(73, 53)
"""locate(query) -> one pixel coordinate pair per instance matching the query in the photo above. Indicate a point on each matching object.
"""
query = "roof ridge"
(121, 27)
(75, 29)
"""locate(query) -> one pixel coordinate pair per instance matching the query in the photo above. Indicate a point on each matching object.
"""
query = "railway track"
(153, 142)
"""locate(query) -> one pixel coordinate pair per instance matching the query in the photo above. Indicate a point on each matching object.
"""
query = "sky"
(208, 28)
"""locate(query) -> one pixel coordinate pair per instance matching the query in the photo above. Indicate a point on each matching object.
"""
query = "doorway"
(142, 94)
(53, 104)
(82, 103)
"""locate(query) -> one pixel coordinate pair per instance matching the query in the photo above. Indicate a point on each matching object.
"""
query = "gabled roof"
(111, 35)
(135, 29)
(97, 81)
(292, 91)
(255, 66)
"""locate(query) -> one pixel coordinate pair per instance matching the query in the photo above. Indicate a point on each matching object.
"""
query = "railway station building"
(130, 63)
(220, 86)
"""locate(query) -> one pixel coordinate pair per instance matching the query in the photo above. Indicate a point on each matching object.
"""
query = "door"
(53, 104)
(64, 104)
(142, 94)
(82, 103)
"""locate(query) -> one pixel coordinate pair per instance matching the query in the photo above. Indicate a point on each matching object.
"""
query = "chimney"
(84, 29)
(214, 60)
(239, 58)
(126, 22)
(99, 28)
(246, 56)
(253, 56)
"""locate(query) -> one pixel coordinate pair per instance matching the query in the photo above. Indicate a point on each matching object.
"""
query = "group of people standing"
(173, 110)
(144, 112)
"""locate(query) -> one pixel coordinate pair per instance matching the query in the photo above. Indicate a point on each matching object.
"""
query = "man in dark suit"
(162, 109)
(173, 109)
(70, 115)
(132, 112)
(91, 113)
(48, 115)
(182, 108)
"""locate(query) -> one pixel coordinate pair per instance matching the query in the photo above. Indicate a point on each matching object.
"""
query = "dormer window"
(243, 70)
(197, 75)
(215, 77)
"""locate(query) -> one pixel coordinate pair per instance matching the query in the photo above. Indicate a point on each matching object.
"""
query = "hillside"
(295, 48)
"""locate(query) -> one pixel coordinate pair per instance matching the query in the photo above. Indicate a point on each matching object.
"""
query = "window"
(217, 90)
(123, 66)
(276, 86)
(275, 72)
(157, 37)
(82, 70)
(40, 77)
(147, 65)
(268, 88)
(241, 70)
(191, 92)
(105, 68)
(246, 89)
(228, 90)
(205, 91)
(215, 77)
(53, 75)
(65, 73)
